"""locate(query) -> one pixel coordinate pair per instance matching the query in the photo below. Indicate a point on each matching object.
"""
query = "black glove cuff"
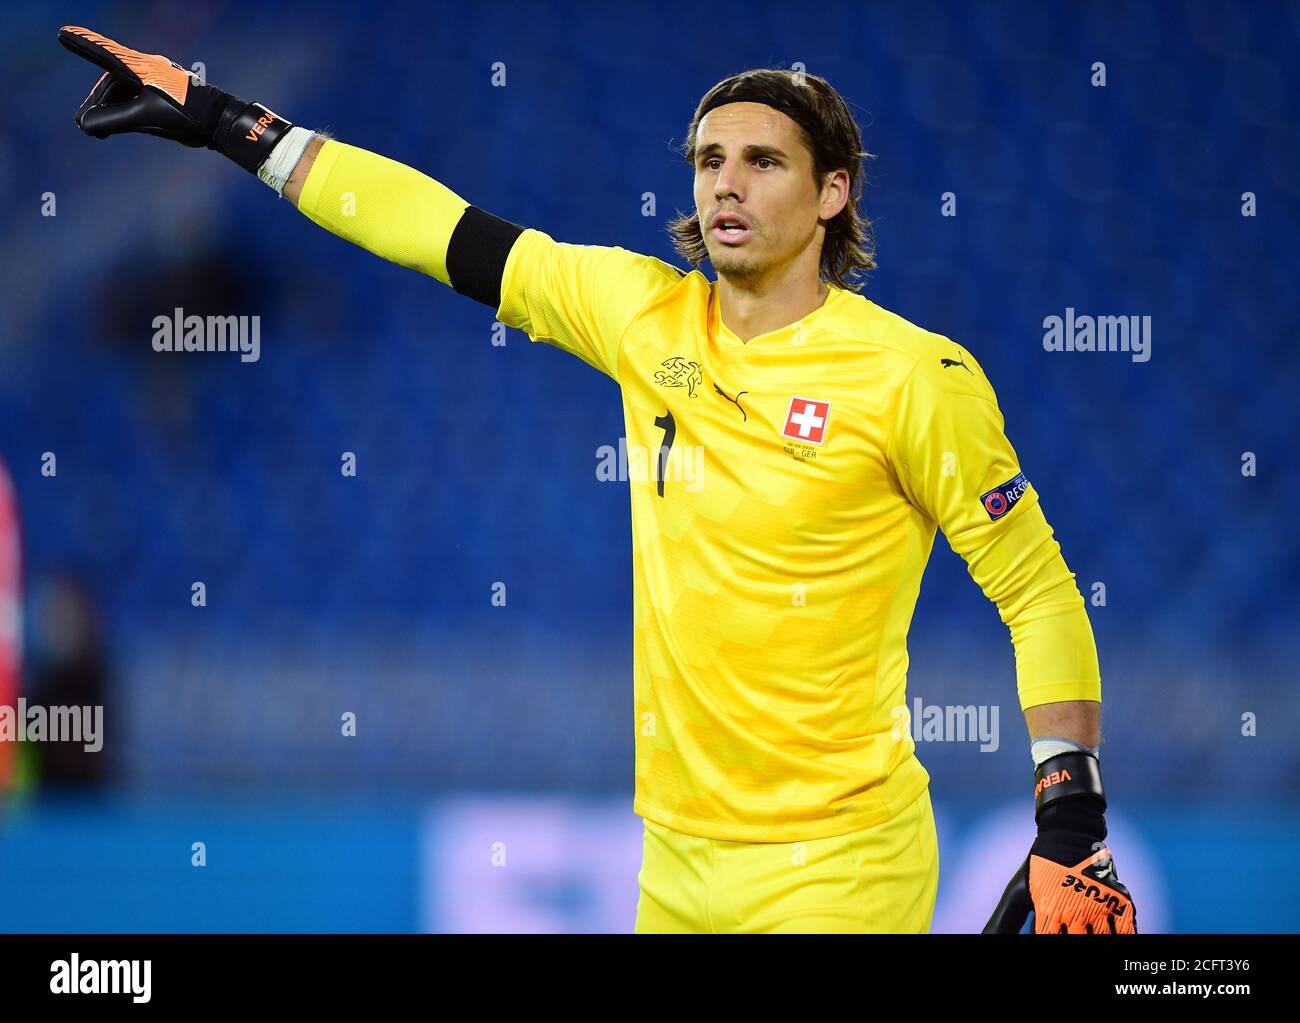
(1068, 776)
(247, 132)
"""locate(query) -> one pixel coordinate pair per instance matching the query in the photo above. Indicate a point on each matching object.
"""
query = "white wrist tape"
(1047, 746)
(277, 167)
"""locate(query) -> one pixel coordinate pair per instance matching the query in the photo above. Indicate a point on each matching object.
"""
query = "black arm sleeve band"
(477, 253)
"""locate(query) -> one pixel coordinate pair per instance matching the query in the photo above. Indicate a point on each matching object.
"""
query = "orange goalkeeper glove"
(1068, 880)
(148, 93)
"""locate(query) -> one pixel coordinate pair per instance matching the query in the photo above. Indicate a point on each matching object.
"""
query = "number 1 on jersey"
(669, 427)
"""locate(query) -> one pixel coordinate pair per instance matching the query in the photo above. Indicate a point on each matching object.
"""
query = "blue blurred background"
(479, 724)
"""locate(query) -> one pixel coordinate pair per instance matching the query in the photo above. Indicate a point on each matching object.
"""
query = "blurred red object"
(11, 631)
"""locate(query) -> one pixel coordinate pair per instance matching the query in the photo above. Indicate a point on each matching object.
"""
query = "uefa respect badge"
(1000, 500)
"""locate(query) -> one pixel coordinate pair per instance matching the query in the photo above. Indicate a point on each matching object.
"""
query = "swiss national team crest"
(806, 420)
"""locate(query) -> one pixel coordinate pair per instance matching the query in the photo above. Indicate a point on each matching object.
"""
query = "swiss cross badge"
(806, 420)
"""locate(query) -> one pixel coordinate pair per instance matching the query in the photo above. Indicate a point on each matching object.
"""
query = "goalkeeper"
(771, 604)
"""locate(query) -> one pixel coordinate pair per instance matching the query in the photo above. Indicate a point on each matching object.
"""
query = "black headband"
(771, 99)
(750, 96)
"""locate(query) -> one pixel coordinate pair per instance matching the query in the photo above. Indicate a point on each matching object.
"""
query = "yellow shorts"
(882, 879)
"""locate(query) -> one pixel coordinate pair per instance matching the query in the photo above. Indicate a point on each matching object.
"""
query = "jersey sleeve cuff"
(1037, 693)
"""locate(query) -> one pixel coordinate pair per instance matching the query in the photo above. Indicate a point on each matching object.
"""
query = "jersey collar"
(724, 335)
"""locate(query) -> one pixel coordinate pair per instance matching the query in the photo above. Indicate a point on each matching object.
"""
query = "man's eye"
(710, 162)
(764, 159)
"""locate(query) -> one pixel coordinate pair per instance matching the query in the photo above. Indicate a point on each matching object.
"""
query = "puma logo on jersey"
(680, 372)
(735, 401)
(945, 363)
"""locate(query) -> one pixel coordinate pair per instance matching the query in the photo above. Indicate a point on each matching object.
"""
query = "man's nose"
(729, 182)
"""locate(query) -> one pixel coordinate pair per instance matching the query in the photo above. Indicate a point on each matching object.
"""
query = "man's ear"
(833, 179)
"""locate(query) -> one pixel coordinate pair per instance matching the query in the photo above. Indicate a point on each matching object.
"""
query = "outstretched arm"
(399, 214)
(580, 298)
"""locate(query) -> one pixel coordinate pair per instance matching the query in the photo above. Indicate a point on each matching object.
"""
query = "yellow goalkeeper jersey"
(785, 495)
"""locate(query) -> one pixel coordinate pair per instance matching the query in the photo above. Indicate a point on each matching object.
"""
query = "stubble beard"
(739, 268)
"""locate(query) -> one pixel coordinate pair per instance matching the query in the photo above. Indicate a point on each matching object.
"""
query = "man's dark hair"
(831, 135)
